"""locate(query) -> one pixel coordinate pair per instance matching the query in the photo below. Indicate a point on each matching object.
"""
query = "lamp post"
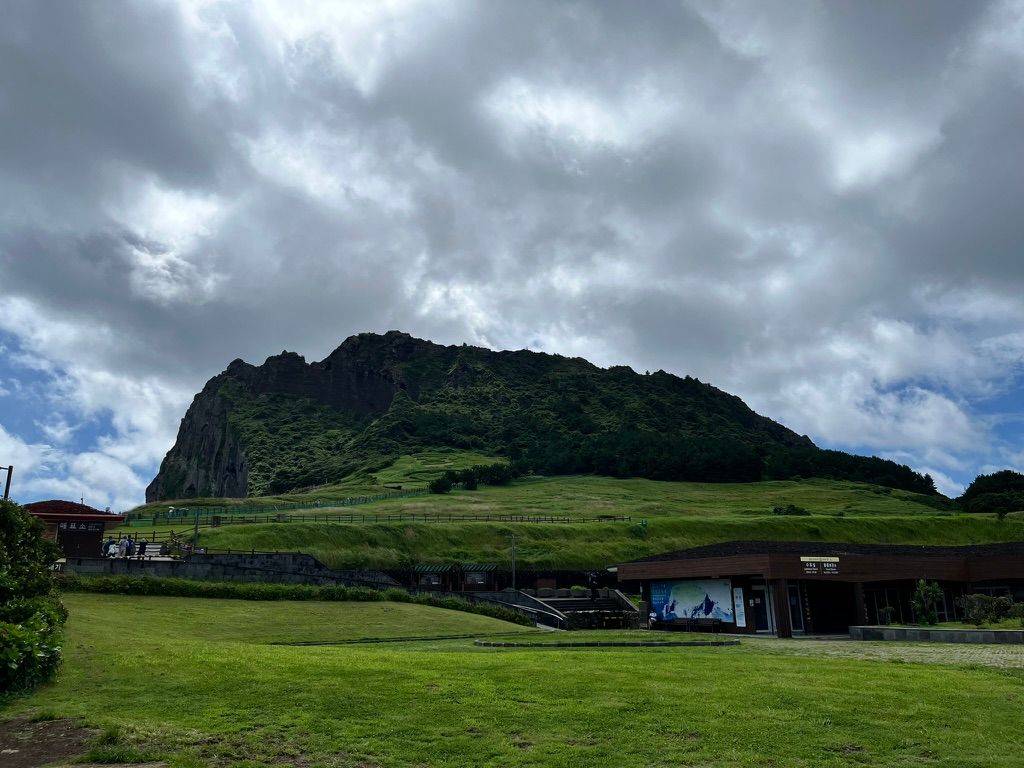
(513, 537)
(7, 486)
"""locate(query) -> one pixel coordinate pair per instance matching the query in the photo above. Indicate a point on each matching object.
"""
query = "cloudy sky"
(818, 206)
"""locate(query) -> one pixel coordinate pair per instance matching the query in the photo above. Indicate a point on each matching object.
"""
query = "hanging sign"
(815, 565)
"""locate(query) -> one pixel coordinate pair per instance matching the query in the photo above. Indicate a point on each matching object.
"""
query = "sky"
(817, 206)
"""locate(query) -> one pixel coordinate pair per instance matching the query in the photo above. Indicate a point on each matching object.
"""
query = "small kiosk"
(77, 528)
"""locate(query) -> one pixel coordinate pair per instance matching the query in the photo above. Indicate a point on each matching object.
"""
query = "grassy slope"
(202, 692)
(679, 515)
(412, 472)
(585, 546)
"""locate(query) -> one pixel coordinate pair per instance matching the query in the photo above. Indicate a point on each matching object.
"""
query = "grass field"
(196, 681)
(677, 515)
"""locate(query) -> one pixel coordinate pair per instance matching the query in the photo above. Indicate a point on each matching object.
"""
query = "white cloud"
(584, 120)
(811, 206)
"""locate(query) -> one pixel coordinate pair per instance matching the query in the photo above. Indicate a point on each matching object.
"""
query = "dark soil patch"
(24, 744)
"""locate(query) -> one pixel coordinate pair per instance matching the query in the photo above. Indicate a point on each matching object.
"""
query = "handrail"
(376, 519)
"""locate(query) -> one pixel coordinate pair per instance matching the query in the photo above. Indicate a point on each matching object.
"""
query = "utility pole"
(513, 537)
(7, 485)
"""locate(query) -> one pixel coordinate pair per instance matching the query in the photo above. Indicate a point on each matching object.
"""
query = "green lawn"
(595, 495)
(593, 545)
(677, 515)
(197, 681)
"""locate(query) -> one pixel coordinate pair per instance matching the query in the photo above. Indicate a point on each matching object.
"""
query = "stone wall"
(1001, 636)
(287, 568)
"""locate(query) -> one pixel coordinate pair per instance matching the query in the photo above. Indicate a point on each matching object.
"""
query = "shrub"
(885, 615)
(151, 585)
(442, 484)
(924, 601)
(790, 509)
(31, 615)
(984, 609)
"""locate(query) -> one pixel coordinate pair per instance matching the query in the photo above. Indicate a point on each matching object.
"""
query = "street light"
(513, 537)
(7, 486)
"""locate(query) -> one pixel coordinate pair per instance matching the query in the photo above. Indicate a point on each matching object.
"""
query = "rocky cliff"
(288, 423)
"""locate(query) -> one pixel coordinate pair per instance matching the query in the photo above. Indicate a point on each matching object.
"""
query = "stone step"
(582, 604)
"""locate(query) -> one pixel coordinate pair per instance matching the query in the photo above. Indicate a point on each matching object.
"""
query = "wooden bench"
(691, 625)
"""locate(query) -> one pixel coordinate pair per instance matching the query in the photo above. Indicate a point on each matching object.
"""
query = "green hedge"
(231, 590)
(31, 614)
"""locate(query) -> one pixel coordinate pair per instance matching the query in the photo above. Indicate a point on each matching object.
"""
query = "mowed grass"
(591, 545)
(578, 495)
(197, 682)
(677, 515)
(411, 471)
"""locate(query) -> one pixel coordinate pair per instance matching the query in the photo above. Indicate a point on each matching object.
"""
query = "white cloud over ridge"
(812, 206)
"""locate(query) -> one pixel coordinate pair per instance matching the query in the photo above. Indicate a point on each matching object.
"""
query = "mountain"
(287, 424)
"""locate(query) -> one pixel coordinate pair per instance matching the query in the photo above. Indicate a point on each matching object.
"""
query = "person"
(592, 583)
(142, 548)
(122, 547)
(107, 546)
(131, 547)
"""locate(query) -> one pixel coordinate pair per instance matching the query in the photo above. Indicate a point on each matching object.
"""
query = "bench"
(691, 625)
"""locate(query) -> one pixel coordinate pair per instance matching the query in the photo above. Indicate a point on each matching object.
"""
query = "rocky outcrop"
(207, 458)
(290, 424)
(358, 378)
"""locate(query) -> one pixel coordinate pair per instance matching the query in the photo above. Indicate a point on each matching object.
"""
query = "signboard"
(740, 608)
(693, 599)
(65, 526)
(820, 565)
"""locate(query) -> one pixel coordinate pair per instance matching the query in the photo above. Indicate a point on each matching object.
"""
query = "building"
(77, 528)
(786, 588)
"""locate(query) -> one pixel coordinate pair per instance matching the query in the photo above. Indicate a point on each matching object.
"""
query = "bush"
(151, 585)
(444, 483)
(790, 509)
(31, 614)
(924, 602)
(984, 609)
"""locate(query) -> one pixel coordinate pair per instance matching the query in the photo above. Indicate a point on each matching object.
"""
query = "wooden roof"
(56, 509)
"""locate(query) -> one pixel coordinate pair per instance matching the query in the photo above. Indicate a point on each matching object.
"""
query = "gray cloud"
(813, 206)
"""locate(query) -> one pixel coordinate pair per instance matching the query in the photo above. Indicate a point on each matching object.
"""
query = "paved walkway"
(1002, 656)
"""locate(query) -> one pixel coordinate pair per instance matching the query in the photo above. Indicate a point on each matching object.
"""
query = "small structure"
(77, 528)
(443, 578)
(786, 587)
(479, 577)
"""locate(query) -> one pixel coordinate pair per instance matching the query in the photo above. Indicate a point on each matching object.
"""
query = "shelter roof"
(56, 509)
(444, 568)
(732, 548)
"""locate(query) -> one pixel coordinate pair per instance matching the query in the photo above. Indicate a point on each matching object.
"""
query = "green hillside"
(664, 516)
(287, 425)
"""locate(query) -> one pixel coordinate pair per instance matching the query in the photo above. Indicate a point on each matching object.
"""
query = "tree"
(444, 483)
(924, 602)
(31, 614)
(1001, 492)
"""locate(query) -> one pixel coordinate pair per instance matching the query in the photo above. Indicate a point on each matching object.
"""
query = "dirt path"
(24, 744)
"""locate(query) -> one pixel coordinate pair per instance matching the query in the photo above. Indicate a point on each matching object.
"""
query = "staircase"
(610, 610)
(574, 604)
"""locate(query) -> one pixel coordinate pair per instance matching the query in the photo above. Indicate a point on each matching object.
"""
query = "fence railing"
(183, 513)
(217, 521)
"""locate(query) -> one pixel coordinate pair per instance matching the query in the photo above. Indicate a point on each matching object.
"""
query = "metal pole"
(513, 537)
(7, 485)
